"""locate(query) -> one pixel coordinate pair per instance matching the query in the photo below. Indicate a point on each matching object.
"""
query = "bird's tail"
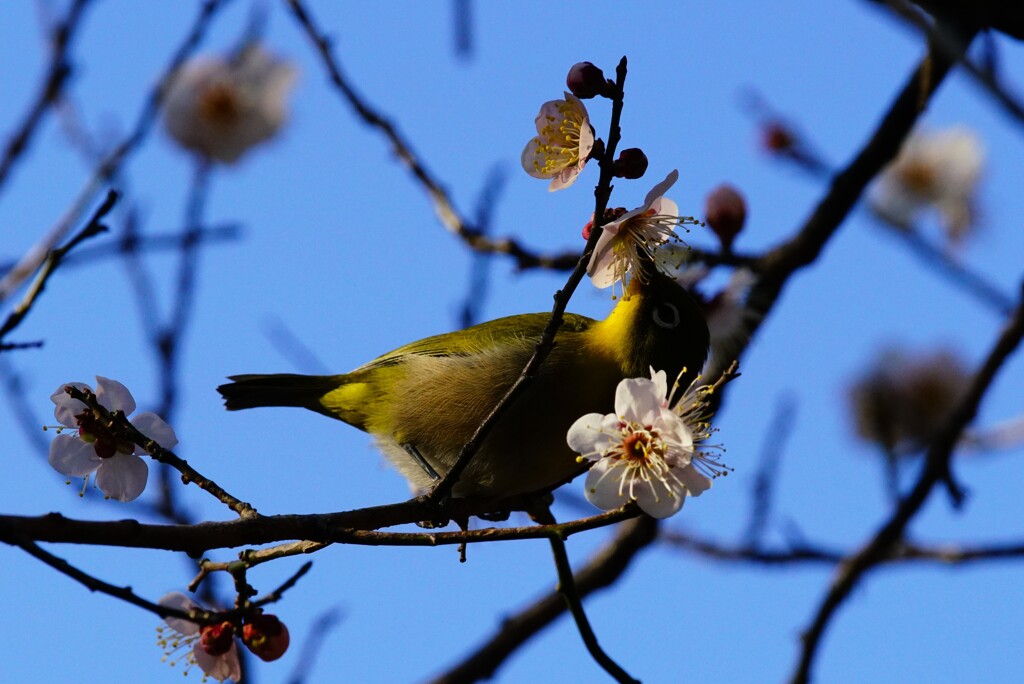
(280, 389)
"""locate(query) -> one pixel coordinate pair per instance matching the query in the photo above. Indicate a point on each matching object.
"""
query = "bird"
(423, 401)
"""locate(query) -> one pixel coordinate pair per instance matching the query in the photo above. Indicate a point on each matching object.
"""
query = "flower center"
(219, 105)
(919, 178)
(641, 447)
(91, 429)
(217, 639)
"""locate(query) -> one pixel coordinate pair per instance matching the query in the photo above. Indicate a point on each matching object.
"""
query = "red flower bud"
(725, 211)
(266, 637)
(217, 639)
(586, 81)
(632, 163)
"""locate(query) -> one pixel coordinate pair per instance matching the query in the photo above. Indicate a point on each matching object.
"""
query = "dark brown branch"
(349, 527)
(950, 553)
(93, 584)
(50, 90)
(936, 470)
(938, 35)
(603, 570)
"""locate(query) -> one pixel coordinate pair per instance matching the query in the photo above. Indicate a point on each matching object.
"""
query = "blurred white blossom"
(934, 169)
(221, 107)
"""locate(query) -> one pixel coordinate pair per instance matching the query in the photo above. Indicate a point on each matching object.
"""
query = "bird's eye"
(665, 315)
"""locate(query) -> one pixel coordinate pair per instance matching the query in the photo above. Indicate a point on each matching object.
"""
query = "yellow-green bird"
(423, 401)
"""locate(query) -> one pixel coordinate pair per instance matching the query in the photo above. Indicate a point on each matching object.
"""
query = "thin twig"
(53, 260)
(444, 207)
(277, 594)
(112, 163)
(948, 553)
(574, 601)
(971, 282)
(117, 419)
(323, 624)
(604, 569)
(49, 92)
(93, 584)
(779, 430)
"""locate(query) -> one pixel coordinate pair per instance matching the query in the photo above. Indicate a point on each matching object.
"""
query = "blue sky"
(341, 247)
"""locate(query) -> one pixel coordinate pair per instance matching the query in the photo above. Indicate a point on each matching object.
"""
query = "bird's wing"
(479, 338)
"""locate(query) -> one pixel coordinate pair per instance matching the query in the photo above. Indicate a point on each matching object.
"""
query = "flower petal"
(663, 206)
(565, 177)
(225, 666)
(122, 477)
(67, 408)
(532, 159)
(72, 457)
(637, 399)
(179, 601)
(154, 427)
(602, 485)
(661, 188)
(660, 381)
(114, 396)
(695, 483)
(602, 267)
(658, 500)
(587, 438)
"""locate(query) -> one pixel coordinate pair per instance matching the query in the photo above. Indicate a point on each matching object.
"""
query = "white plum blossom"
(934, 169)
(563, 142)
(636, 235)
(647, 450)
(213, 647)
(221, 107)
(93, 448)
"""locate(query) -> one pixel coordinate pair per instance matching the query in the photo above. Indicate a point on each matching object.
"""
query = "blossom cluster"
(213, 647)
(650, 450)
(93, 446)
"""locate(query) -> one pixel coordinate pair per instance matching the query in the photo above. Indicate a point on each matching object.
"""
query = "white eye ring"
(669, 322)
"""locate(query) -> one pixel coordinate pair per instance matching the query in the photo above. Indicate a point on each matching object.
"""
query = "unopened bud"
(266, 636)
(725, 211)
(216, 639)
(632, 163)
(586, 81)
